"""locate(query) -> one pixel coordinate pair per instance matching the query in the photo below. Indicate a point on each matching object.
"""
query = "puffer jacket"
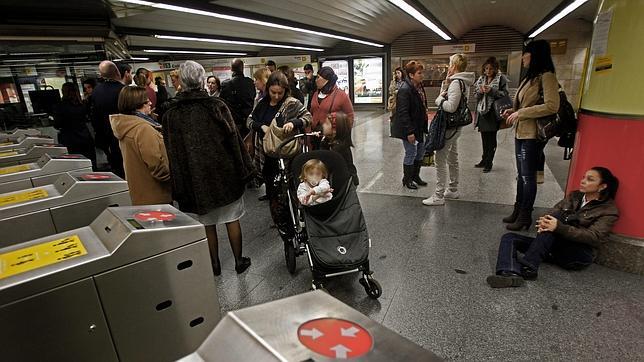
(596, 219)
(144, 158)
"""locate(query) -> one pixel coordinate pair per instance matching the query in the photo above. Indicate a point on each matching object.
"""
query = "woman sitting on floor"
(566, 236)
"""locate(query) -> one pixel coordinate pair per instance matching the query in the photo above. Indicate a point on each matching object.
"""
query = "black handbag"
(437, 130)
(499, 106)
(462, 116)
(547, 126)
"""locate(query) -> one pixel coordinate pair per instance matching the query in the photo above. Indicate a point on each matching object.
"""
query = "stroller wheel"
(319, 286)
(371, 286)
(289, 255)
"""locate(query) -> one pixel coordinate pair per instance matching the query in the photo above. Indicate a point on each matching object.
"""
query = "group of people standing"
(569, 234)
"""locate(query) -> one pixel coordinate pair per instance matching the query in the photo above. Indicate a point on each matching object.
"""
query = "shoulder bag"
(275, 136)
(499, 106)
(547, 126)
(462, 116)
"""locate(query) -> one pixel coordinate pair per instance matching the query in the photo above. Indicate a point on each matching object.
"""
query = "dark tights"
(234, 237)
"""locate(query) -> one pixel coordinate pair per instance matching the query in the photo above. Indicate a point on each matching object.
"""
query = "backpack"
(567, 122)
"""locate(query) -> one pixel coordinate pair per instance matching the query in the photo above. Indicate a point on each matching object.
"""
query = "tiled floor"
(432, 263)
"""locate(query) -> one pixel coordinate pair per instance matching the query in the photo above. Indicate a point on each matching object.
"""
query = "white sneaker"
(452, 194)
(434, 201)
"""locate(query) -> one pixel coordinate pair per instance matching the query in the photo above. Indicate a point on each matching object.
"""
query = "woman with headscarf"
(208, 162)
(328, 100)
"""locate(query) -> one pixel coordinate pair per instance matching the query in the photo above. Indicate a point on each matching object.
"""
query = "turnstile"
(73, 201)
(42, 172)
(31, 154)
(17, 133)
(25, 142)
(307, 327)
(134, 285)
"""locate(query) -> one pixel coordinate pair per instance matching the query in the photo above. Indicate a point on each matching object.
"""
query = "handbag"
(547, 126)
(462, 116)
(275, 136)
(437, 130)
(499, 106)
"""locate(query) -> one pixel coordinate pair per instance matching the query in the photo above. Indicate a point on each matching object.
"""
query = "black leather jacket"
(411, 113)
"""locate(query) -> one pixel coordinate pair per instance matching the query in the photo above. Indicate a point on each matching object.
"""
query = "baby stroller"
(334, 234)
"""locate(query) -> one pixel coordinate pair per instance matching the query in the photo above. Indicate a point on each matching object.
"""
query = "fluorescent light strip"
(567, 10)
(237, 42)
(420, 17)
(188, 52)
(246, 20)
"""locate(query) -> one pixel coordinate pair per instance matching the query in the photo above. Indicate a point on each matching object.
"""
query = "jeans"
(489, 147)
(444, 159)
(527, 158)
(541, 156)
(546, 246)
(413, 152)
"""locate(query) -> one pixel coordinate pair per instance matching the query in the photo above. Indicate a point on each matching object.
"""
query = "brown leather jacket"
(596, 219)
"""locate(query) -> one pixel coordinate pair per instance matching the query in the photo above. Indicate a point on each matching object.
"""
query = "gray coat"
(488, 122)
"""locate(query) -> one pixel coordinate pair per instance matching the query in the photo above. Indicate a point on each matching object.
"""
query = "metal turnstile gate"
(25, 142)
(17, 133)
(134, 285)
(42, 172)
(308, 327)
(31, 154)
(73, 201)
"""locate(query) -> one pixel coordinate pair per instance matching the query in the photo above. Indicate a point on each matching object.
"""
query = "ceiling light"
(567, 10)
(420, 17)
(189, 52)
(136, 58)
(23, 60)
(246, 20)
(237, 42)
(133, 58)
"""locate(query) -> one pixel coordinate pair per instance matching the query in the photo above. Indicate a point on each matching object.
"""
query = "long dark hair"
(342, 130)
(540, 59)
(278, 78)
(71, 93)
(611, 181)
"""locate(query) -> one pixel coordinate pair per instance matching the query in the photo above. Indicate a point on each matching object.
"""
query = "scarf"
(485, 104)
(150, 120)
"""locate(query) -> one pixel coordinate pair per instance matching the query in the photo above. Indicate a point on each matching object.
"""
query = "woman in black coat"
(410, 123)
(208, 162)
(70, 119)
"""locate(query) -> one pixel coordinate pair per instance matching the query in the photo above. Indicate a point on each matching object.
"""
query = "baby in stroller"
(314, 188)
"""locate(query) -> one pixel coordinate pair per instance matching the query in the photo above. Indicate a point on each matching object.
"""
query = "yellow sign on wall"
(14, 169)
(10, 153)
(23, 196)
(37, 256)
(603, 64)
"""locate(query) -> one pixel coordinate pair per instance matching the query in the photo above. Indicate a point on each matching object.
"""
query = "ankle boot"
(408, 171)
(416, 175)
(513, 217)
(523, 221)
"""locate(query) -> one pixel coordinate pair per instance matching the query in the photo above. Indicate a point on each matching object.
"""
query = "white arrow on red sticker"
(313, 333)
(340, 351)
(349, 332)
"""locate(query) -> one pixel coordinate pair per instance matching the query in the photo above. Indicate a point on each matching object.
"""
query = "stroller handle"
(296, 137)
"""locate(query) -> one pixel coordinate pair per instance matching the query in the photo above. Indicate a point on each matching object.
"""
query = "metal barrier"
(42, 172)
(17, 133)
(134, 285)
(25, 142)
(73, 201)
(308, 327)
(31, 154)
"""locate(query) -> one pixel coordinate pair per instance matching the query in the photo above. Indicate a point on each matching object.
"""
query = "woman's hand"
(547, 223)
(288, 127)
(507, 113)
(513, 118)
(265, 129)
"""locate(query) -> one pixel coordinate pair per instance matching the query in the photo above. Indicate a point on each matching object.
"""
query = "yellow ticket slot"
(6, 144)
(14, 169)
(10, 153)
(41, 255)
(23, 196)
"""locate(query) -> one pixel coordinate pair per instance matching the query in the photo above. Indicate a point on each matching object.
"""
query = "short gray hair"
(192, 75)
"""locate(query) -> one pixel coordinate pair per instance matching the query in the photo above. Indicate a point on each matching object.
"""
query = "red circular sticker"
(155, 216)
(95, 176)
(335, 338)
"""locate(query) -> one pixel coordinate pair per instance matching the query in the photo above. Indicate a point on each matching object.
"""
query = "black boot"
(416, 175)
(480, 164)
(408, 182)
(523, 221)
(513, 217)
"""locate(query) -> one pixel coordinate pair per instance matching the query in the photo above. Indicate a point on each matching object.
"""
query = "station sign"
(454, 48)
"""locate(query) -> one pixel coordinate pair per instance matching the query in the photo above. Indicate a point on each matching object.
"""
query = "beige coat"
(144, 158)
(528, 103)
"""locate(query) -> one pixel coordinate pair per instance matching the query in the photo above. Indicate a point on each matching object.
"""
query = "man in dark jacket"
(307, 84)
(105, 98)
(239, 95)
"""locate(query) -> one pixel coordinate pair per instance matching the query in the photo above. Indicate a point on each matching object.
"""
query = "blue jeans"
(413, 152)
(527, 155)
(546, 246)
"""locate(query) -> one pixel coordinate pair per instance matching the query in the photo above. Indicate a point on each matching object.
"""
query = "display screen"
(341, 69)
(367, 80)
(8, 91)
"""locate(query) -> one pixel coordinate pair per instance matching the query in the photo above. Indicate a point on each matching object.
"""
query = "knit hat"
(328, 74)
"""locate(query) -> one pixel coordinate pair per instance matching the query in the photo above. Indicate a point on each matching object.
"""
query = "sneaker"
(505, 280)
(434, 201)
(452, 194)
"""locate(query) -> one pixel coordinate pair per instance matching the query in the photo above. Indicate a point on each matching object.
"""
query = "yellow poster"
(14, 169)
(38, 256)
(603, 64)
(23, 196)
(10, 153)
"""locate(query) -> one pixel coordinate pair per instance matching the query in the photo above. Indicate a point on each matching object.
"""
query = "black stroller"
(334, 234)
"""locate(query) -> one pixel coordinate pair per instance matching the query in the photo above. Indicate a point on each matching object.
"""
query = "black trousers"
(489, 147)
